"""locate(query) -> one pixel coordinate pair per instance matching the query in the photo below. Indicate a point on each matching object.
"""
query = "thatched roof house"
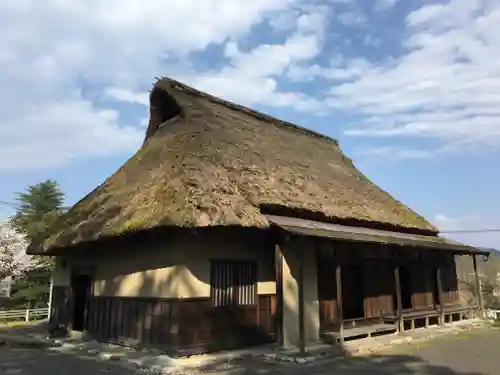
(209, 162)
(253, 219)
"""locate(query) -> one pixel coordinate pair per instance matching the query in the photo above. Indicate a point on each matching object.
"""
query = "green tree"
(38, 208)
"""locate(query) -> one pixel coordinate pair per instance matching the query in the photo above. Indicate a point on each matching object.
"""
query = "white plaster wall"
(179, 269)
(299, 252)
(61, 273)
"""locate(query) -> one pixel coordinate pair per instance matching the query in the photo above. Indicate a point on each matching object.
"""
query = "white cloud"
(385, 4)
(447, 223)
(395, 153)
(49, 47)
(372, 41)
(51, 135)
(339, 70)
(445, 85)
(124, 95)
(352, 18)
(454, 227)
(256, 70)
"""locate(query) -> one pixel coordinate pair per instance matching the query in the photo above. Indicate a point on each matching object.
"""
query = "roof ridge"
(249, 111)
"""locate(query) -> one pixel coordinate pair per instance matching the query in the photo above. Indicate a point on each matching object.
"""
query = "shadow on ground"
(33, 361)
(25, 361)
(390, 365)
(456, 354)
(372, 365)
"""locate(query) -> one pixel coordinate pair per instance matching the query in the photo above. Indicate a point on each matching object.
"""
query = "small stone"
(164, 361)
(270, 357)
(135, 362)
(68, 346)
(156, 369)
(93, 351)
(110, 356)
(300, 360)
(93, 344)
(13, 371)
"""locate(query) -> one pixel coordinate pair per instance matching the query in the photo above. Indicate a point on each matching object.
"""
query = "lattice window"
(233, 282)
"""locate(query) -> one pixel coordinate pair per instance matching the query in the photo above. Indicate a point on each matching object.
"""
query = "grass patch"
(18, 323)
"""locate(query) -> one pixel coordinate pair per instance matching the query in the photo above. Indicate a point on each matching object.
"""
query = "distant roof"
(489, 249)
(208, 162)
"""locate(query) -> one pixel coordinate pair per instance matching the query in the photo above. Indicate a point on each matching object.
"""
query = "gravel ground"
(41, 361)
(476, 353)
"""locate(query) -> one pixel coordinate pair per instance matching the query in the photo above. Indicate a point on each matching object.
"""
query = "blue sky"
(411, 89)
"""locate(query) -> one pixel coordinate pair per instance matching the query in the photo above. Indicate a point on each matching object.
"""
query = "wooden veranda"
(382, 288)
(375, 281)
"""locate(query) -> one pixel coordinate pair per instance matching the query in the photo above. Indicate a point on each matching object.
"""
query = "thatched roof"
(209, 162)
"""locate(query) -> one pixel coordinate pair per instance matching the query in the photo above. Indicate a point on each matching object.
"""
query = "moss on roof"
(208, 162)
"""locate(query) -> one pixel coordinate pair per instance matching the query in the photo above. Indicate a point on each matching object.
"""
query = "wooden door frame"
(74, 272)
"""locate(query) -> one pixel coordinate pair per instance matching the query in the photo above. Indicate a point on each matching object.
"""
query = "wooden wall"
(451, 291)
(61, 306)
(379, 286)
(376, 263)
(181, 326)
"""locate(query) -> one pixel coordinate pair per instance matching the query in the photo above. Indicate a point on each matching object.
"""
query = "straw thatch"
(208, 162)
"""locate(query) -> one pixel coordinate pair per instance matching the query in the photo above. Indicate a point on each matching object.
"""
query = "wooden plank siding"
(422, 280)
(327, 291)
(61, 306)
(377, 264)
(451, 293)
(185, 326)
(379, 298)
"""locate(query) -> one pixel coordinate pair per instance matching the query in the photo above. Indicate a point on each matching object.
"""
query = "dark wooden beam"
(479, 291)
(278, 253)
(399, 302)
(440, 295)
(338, 280)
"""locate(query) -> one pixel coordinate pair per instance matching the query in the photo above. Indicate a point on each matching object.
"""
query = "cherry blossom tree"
(14, 262)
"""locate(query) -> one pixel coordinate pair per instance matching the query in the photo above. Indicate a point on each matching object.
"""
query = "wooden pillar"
(399, 302)
(440, 295)
(278, 254)
(51, 297)
(338, 280)
(302, 336)
(479, 292)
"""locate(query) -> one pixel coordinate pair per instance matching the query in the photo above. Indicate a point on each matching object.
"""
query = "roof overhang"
(359, 234)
